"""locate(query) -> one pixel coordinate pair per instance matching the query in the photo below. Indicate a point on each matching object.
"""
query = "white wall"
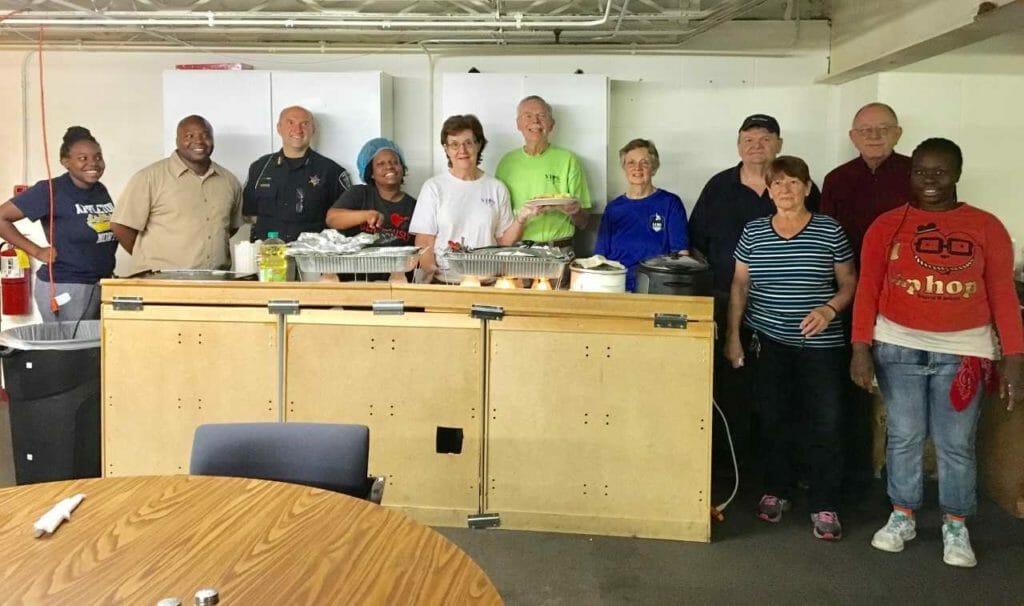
(971, 96)
(690, 106)
(981, 113)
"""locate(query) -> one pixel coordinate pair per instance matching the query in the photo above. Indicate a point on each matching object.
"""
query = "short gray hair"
(878, 105)
(538, 99)
(641, 144)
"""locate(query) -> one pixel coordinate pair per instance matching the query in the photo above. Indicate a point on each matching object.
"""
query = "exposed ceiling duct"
(346, 25)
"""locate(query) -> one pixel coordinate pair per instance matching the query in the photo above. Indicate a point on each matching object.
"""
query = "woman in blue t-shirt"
(82, 248)
(645, 221)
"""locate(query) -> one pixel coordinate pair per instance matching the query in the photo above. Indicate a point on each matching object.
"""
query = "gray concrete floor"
(750, 561)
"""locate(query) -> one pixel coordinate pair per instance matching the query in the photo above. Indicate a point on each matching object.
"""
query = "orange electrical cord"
(49, 177)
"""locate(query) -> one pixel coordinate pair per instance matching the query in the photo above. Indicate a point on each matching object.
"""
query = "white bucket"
(597, 280)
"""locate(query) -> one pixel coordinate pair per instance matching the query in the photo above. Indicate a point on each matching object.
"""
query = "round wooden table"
(137, 540)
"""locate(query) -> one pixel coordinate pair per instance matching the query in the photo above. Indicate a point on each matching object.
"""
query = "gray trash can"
(52, 376)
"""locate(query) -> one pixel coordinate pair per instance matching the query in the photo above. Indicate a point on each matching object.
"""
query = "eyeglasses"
(638, 164)
(881, 131)
(457, 145)
(534, 115)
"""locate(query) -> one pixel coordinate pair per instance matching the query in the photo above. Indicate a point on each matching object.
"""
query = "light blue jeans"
(915, 386)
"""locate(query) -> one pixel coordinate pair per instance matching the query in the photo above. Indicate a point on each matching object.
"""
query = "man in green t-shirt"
(539, 169)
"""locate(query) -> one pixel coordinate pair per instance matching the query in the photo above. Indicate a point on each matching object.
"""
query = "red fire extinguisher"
(15, 282)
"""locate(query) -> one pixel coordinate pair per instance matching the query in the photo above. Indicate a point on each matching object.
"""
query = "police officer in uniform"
(289, 191)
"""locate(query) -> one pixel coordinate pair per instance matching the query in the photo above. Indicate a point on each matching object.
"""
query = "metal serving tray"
(510, 262)
(195, 274)
(384, 260)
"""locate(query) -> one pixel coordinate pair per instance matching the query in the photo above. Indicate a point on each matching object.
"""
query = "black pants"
(857, 427)
(800, 389)
(733, 392)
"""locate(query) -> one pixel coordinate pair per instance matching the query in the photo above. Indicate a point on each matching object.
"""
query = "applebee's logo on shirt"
(98, 219)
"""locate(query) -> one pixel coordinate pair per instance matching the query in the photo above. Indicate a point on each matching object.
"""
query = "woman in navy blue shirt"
(83, 247)
(645, 221)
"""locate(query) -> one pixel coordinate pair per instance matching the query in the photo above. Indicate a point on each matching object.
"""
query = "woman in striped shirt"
(784, 291)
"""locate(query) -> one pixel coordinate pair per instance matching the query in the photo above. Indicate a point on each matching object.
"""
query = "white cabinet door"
(237, 105)
(242, 107)
(350, 108)
(579, 101)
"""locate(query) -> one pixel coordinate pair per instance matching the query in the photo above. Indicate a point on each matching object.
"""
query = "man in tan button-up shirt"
(179, 213)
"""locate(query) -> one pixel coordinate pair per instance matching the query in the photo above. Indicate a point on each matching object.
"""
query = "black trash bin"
(52, 376)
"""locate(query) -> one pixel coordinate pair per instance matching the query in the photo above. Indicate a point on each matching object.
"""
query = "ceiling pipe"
(712, 17)
(410, 48)
(618, 24)
(576, 41)
(344, 17)
(313, 38)
(212, 19)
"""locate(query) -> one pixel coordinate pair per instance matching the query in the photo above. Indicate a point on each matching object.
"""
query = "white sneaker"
(899, 529)
(956, 545)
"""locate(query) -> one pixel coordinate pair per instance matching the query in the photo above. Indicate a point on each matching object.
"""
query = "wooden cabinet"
(557, 411)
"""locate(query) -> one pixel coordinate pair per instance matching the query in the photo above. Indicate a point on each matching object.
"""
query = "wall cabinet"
(243, 106)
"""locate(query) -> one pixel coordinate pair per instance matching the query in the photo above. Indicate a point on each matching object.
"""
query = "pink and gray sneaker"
(770, 508)
(826, 525)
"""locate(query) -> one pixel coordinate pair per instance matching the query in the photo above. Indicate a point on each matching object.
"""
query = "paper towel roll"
(246, 257)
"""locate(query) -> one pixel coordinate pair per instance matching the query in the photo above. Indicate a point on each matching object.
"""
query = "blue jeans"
(915, 386)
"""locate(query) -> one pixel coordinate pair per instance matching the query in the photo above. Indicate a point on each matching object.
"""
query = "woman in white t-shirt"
(462, 204)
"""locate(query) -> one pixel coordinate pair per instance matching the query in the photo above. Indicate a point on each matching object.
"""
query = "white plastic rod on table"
(53, 518)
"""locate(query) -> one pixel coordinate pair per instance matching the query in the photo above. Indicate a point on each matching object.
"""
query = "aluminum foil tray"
(513, 263)
(383, 260)
(196, 274)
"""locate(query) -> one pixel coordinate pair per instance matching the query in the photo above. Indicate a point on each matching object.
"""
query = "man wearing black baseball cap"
(761, 121)
(730, 200)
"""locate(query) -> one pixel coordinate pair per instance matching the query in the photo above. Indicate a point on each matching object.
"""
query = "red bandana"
(973, 373)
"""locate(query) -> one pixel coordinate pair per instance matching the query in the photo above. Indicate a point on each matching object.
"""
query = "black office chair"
(322, 455)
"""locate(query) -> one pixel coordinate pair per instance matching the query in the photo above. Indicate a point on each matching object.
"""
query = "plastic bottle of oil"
(273, 262)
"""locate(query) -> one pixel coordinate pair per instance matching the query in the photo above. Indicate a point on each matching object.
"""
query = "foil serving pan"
(384, 260)
(512, 262)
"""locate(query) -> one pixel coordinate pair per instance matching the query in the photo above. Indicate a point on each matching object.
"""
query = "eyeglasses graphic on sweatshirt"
(936, 245)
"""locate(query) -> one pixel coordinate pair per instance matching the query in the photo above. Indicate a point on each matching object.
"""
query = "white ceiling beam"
(871, 36)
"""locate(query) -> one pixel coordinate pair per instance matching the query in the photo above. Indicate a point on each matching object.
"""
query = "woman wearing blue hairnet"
(380, 206)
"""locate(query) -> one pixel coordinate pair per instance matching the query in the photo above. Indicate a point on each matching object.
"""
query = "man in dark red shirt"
(876, 181)
(855, 194)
